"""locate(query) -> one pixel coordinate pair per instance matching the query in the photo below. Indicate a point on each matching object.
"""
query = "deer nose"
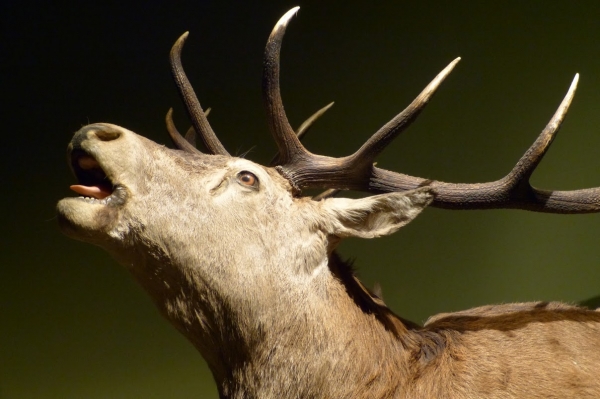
(107, 134)
(95, 132)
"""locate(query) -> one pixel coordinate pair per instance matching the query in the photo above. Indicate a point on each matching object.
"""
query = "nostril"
(107, 135)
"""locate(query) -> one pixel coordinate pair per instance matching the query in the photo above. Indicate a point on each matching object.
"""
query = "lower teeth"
(117, 198)
(92, 200)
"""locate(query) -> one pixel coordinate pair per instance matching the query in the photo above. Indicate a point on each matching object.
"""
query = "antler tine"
(179, 141)
(307, 124)
(288, 143)
(194, 109)
(305, 127)
(532, 157)
(512, 191)
(388, 132)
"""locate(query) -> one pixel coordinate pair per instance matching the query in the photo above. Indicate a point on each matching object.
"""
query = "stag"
(245, 267)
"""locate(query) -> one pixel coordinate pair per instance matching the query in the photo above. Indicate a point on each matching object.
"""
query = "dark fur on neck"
(366, 299)
(425, 345)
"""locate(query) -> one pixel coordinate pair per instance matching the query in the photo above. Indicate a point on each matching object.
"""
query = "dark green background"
(72, 322)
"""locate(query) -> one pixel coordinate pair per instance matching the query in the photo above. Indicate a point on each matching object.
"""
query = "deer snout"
(92, 161)
(100, 131)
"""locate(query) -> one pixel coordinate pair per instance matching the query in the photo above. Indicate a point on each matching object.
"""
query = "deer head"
(238, 260)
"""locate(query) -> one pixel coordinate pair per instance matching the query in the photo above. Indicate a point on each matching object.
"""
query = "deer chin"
(87, 220)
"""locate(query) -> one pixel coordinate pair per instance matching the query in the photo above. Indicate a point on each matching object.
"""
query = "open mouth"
(94, 185)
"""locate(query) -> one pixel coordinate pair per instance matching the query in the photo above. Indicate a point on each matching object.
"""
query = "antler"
(304, 128)
(306, 170)
(199, 116)
(188, 142)
(194, 109)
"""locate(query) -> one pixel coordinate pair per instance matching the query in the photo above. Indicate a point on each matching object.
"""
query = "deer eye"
(247, 179)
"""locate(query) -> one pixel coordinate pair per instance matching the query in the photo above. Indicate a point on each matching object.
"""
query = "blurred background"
(73, 324)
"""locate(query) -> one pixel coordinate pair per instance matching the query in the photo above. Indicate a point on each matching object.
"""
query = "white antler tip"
(446, 71)
(573, 86)
(183, 37)
(453, 64)
(283, 21)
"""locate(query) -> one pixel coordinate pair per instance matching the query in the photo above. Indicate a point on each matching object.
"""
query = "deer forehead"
(221, 185)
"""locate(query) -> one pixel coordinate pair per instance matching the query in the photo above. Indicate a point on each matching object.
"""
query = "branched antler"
(199, 116)
(305, 169)
(188, 142)
(357, 171)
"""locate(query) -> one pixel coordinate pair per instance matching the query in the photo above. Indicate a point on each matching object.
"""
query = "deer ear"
(373, 216)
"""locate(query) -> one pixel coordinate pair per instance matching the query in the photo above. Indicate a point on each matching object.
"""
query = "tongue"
(97, 192)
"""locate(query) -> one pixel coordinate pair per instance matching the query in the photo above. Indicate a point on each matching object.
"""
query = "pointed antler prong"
(197, 115)
(388, 132)
(307, 124)
(533, 156)
(287, 142)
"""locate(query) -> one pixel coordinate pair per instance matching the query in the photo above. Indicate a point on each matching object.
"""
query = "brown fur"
(250, 277)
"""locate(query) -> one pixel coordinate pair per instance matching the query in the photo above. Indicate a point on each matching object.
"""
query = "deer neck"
(310, 345)
(294, 340)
